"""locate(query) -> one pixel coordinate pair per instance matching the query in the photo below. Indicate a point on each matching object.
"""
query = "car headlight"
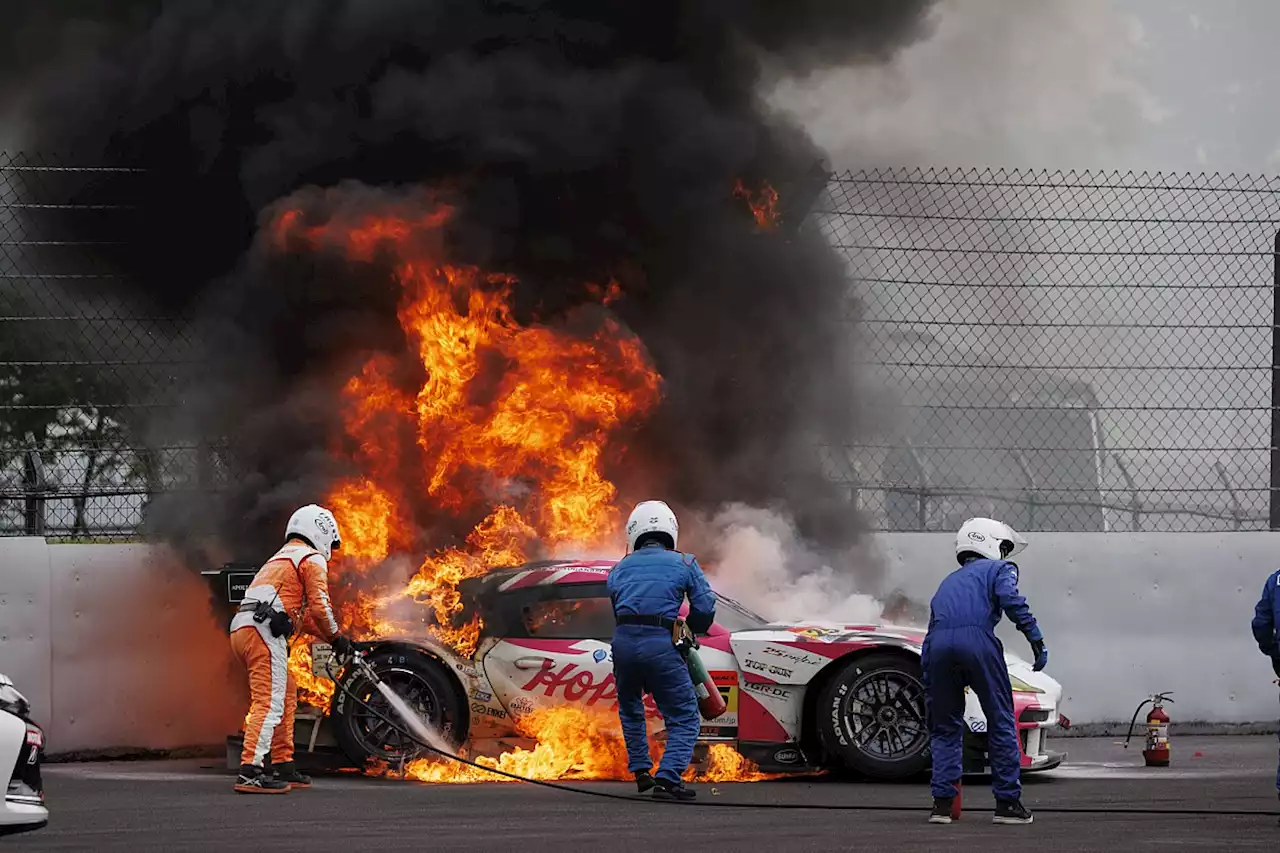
(1020, 686)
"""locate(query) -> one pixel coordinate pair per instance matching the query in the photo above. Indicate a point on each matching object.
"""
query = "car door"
(555, 650)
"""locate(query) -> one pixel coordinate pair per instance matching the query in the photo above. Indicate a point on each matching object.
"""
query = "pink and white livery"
(799, 697)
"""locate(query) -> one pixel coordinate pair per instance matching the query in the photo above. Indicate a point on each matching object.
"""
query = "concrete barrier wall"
(116, 646)
(1128, 614)
(120, 645)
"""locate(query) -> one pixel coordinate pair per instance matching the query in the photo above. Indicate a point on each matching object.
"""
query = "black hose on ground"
(856, 807)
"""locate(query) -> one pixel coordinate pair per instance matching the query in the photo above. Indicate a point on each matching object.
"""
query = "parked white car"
(21, 748)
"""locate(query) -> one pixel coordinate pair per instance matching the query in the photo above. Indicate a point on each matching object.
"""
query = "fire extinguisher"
(711, 703)
(1156, 753)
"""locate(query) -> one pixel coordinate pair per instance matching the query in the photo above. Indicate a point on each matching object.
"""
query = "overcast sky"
(1130, 84)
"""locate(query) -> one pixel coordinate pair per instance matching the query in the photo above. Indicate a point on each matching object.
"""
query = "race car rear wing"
(230, 582)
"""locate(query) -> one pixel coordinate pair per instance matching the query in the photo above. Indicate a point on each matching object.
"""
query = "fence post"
(1223, 478)
(33, 486)
(1032, 489)
(922, 496)
(1275, 387)
(1135, 503)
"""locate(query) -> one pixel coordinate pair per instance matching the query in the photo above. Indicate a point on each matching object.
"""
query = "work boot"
(1011, 811)
(941, 810)
(644, 781)
(664, 790)
(288, 772)
(253, 780)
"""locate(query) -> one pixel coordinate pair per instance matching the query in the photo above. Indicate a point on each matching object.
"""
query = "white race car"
(799, 697)
(21, 748)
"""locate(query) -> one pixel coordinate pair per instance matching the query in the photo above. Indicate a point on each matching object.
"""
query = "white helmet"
(318, 526)
(984, 536)
(652, 517)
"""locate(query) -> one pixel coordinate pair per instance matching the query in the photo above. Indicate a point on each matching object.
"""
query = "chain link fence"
(82, 372)
(1066, 351)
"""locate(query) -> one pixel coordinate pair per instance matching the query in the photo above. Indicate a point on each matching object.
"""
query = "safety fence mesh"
(1066, 351)
(82, 373)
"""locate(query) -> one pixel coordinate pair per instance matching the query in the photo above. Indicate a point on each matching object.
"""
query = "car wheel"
(872, 717)
(418, 679)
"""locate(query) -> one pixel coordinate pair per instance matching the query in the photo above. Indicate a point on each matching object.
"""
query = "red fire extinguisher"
(711, 702)
(1156, 753)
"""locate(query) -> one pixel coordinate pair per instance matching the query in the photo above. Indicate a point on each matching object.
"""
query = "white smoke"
(755, 556)
(1007, 83)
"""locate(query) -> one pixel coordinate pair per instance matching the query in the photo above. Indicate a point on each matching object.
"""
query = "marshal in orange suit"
(292, 588)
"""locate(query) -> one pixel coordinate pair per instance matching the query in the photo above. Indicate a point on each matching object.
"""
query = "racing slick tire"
(871, 717)
(417, 678)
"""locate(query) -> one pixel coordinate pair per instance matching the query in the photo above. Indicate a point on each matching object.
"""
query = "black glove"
(1275, 666)
(342, 647)
(1041, 653)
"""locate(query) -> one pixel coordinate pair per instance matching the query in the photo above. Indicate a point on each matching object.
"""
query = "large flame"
(508, 426)
(577, 743)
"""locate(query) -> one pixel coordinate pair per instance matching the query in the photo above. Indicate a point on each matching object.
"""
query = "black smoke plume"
(584, 141)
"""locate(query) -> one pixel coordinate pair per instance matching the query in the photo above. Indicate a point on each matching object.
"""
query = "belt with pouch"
(278, 621)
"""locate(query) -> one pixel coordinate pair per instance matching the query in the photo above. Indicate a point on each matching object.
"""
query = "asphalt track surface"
(190, 806)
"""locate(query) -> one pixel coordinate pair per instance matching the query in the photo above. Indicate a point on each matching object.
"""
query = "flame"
(763, 204)
(507, 425)
(576, 744)
(608, 294)
(481, 419)
(312, 690)
(726, 764)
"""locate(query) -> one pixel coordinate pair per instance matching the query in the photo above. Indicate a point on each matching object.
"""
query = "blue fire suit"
(653, 581)
(961, 649)
(1266, 616)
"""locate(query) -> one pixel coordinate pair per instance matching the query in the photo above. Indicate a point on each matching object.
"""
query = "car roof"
(545, 573)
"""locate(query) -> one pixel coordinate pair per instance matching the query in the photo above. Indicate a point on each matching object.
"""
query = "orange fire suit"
(296, 580)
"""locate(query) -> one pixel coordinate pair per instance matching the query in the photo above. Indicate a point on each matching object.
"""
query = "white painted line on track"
(1110, 770)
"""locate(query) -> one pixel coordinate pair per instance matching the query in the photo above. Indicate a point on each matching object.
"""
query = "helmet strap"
(646, 539)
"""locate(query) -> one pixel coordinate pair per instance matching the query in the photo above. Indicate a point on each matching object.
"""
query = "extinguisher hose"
(1133, 721)
(847, 807)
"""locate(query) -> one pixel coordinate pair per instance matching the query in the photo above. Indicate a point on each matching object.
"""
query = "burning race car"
(798, 697)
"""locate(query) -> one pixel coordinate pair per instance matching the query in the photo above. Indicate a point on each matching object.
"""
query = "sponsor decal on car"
(823, 634)
(787, 756)
(798, 658)
(574, 684)
(780, 671)
(481, 696)
(770, 690)
(580, 686)
(486, 711)
(521, 705)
